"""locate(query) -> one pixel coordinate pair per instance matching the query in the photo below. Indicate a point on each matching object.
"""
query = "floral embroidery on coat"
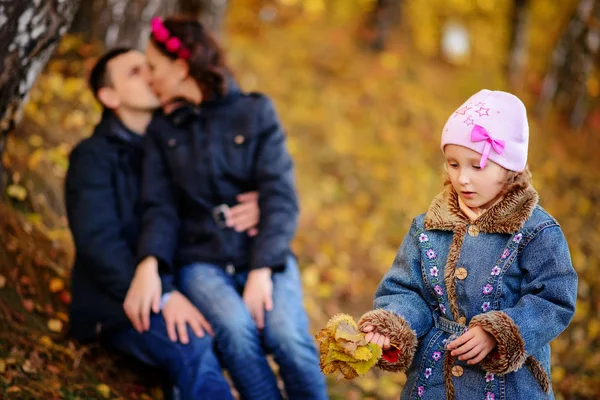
(430, 264)
(489, 287)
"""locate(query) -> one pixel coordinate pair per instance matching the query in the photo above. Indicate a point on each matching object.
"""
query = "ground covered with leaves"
(364, 130)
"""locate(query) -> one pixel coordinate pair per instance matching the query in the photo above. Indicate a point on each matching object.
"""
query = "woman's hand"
(178, 312)
(258, 294)
(144, 294)
(376, 338)
(473, 345)
(246, 215)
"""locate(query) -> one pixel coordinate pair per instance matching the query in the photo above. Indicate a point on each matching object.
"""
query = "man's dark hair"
(99, 77)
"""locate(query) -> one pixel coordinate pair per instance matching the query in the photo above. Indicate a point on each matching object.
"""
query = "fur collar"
(507, 216)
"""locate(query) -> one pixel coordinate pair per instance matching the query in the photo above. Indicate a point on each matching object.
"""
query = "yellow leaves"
(389, 60)
(17, 192)
(103, 390)
(46, 341)
(2, 366)
(55, 325)
(56, 285)
(343, 348)
(2, 281)
(27, 367)
(36, 140)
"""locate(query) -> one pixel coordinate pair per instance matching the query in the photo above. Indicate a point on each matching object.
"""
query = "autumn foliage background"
(363, 128)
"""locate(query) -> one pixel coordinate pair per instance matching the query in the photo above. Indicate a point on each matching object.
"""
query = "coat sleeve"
(160, 221)
(547, 305)
(278, 201)
(94, 222)
(401, 311)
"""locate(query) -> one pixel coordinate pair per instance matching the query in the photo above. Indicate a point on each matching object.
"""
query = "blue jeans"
(243, 347)
(193, 368)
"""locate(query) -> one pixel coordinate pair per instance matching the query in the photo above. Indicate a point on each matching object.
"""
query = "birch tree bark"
(29, 33)
(573, 62)
(127, 22)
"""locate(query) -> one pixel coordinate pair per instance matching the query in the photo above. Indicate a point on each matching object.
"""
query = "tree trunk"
(572, 64)
(518, 43)
(384, 16)
(127, 22)
(29, 33)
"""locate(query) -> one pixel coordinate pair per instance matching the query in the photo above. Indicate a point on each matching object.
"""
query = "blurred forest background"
(363, 88)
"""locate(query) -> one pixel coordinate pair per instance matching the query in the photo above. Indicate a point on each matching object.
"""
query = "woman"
(211, 144)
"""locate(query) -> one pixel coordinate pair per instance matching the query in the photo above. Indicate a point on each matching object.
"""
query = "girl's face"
(167, 75)
(477, 188)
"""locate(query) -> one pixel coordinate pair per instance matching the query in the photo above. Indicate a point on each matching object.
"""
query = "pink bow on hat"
(479, 134)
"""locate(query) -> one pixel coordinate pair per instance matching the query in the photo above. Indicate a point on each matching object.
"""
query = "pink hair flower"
(173, 44)
(156, 23)
(161, 34)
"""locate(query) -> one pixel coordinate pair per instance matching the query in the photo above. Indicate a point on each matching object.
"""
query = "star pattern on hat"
(480, 104)
(469, 121)
(483, 111)
(463, 110)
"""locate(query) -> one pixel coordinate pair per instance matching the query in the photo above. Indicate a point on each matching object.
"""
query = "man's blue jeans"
(242, 348)
(193, 368)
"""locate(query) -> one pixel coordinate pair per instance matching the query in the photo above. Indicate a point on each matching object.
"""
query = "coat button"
(239, 139)
(473, 231)
(457, 371)
(461, 273)
(172, 142)
(462, 320)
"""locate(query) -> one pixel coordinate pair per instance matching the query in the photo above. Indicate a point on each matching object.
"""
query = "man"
(102, 199)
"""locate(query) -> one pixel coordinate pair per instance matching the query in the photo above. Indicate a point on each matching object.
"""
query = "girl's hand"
(472, 345)
(258, 294)
(376, 338)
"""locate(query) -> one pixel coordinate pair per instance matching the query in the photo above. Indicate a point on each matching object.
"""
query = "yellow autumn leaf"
(55, 325)
(103, 390)
(16, 192)
(56, 285)
(46, 341)
(36, 140)
(34, 159)
(2, 366)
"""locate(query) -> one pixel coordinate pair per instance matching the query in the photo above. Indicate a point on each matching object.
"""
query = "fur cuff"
(401, 336)
(509, 354)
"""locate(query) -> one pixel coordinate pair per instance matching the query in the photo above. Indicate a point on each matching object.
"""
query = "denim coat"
(509, 272)
(200, 158)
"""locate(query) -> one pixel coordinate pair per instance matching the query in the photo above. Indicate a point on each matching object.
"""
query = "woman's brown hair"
(206, 59)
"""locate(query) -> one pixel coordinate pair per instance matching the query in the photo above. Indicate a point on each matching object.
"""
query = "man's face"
(129, 88)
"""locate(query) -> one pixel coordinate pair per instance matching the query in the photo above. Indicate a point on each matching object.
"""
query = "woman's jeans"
(242, 347)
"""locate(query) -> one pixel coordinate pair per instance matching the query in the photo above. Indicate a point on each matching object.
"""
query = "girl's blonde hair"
(514, 180)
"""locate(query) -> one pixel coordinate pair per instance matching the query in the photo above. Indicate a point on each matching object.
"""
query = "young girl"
(483, 281)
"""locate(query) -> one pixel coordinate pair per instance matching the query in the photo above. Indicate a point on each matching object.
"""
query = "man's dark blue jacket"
(102, 194)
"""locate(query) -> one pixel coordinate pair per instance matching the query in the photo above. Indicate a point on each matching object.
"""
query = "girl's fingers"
(461, 340)
(381, 340)
(464, 348)
(479, 358)
(368, 328)
(472, 353)
(386, 343)
(369, 336)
